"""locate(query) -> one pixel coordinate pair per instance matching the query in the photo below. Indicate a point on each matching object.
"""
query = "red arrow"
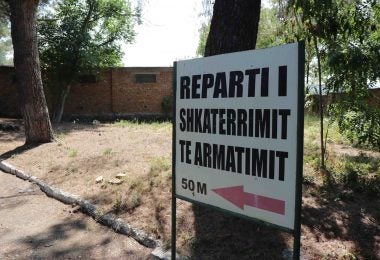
(239, 198)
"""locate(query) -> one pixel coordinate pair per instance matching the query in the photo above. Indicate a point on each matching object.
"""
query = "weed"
(181, 219)
(73, 153)
(166, 243)
(136, 184)
(167, 104)
(60, 136)
(127, 204)
(125, 123)
(151, 125)
(71, 169)
(312, 130)
(118, 205)
(186, 237)
(107, 151)
(133, 201)
(308, 179)
(104, 185)
(349, 256)
(344, 195)
(158, 165)
(359, 173)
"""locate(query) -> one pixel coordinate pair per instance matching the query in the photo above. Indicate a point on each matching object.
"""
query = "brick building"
(119, 92)
(374, 100)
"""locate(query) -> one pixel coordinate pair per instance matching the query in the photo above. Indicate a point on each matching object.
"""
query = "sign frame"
(296, 231)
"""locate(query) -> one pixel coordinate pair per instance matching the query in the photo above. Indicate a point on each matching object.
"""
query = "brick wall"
(132, 97)
(374, 100)
(90, 98)
(115, 94)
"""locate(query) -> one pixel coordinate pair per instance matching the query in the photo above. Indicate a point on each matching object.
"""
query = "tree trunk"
(59, 104)
(28, 74)
(320, 102)
(234, 26)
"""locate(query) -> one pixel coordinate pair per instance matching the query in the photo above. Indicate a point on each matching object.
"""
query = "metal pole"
(299, 165)
(174, 201)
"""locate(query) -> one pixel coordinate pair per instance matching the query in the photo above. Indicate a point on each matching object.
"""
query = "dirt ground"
(344, 228)
(33, 226)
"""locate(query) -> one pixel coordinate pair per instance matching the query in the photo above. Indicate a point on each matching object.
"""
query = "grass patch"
(129, 203)
(358, 173)
(107, 151)
(137, 184)
(139, 187)
(351, 173)
(312, 130)
(73, 153)
(159, 164)
(149, 124)
(125, 123)
(60, 136)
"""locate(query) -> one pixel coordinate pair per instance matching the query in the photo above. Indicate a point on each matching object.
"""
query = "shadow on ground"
(326, 221)
(61, 242)
(48, 245)
(18, 150)
(12, 130)
(354, 218)
(220, 236)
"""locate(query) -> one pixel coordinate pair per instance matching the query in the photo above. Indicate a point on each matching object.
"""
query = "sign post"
(238, 135)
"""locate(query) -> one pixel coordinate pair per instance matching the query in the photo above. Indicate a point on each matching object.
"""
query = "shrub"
(167, 104)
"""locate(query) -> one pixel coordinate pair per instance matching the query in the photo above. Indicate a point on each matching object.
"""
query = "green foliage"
(362, 126)
(5, 41)
(203, 34)
(167, 104)
(353, 66)
(353, 173)
(270, 28)
(359, 173)
(80, 37)
(311, 132)
(158, 165)
(124, 123)
(140, 124)
(107, 151)
(73, 153)
(129, 203)
(348, 34)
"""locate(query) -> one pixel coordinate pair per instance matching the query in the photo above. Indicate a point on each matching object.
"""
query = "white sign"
(236, 132)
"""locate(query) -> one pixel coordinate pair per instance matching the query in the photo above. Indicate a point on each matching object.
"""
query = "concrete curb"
(109, 220)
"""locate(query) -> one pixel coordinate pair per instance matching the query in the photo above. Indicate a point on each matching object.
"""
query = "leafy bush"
(362, 127)
(167, 104)
(359, 173)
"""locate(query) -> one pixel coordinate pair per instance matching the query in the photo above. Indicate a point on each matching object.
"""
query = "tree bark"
(234, 26)
(28, 74)
(320, 101)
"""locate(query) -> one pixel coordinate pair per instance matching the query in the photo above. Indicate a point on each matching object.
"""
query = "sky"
(169, 33)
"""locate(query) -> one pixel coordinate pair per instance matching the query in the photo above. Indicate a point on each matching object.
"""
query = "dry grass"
(142, 151)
